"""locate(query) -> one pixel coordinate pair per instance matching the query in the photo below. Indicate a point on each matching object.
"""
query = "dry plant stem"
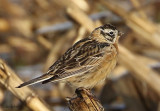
(82, 4)
(42, 3)
(141, 71)
(10, 80)
(120, 70)
(47, 44)
(147, 30)
(80, 35)
(83, 102)
(78, 15)
(27, 45)
(152, 52)
(125, 87)
(136, 4)
(75, 12)
(4, 25)
(135, 93)
(11, 8)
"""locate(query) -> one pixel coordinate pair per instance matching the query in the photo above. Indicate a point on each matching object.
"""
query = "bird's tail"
(36, 80)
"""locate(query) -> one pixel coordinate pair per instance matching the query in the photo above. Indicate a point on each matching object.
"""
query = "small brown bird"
(87, 62)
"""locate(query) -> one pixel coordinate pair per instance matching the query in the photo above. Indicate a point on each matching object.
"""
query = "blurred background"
(35, 33)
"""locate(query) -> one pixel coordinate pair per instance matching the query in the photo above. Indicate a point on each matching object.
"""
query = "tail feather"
(53, 78)
(36, 80)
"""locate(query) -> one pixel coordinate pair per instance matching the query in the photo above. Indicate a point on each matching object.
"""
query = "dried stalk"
(10, 80)
(125, 87)
(4, 25)
(77, 14)
(141, 71)
(136, 4)
(47, 44)
(147, 30)
(120, 70)
(83, 102)
(82, 4)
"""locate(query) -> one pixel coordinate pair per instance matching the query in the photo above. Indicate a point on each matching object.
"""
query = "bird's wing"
(56, 67)
(84, 56)
(79, 60)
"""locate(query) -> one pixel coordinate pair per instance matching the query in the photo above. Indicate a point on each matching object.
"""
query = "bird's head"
(106, 33)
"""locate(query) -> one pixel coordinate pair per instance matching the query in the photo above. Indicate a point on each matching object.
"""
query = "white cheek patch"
(107, 30)
(114, 40)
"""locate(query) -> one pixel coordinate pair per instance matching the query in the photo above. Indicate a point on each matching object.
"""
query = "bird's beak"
(120, 33)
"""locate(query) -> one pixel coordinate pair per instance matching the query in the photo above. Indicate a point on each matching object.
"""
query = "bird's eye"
(111, 33)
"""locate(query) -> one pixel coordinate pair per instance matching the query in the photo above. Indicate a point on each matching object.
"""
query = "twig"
(10, 80)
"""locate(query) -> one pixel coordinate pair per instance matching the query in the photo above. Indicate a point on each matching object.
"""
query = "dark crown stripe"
(108, 26)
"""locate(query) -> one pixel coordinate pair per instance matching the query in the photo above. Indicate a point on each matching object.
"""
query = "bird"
(88, 62)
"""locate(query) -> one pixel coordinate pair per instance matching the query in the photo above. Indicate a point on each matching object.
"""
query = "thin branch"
(10, 80)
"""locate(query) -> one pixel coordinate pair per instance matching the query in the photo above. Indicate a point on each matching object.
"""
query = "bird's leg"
(80, 91)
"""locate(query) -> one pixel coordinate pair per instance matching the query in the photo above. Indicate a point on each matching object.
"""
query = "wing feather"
(78, 60)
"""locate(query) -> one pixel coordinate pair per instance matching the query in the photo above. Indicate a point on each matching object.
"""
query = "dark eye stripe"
(104, 34)
(111, 35)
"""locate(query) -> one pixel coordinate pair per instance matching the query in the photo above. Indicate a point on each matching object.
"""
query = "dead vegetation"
(33, 34)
